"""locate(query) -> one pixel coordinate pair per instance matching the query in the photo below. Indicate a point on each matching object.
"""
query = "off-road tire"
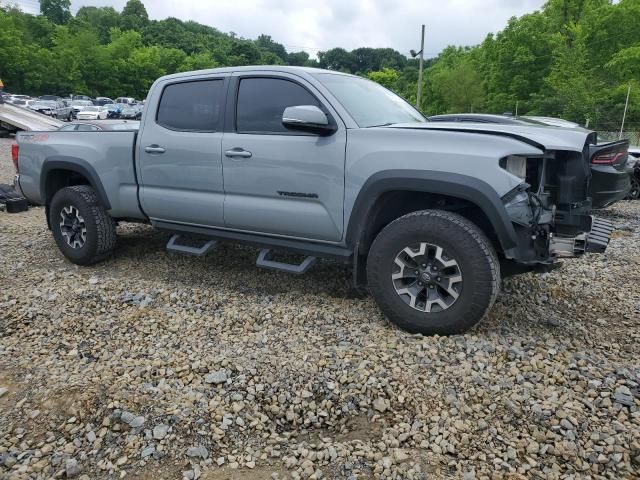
(100, 227)
(465, 242)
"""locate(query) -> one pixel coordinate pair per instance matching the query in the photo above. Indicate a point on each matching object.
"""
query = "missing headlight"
(515, 166)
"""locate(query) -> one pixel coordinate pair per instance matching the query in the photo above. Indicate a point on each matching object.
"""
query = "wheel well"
(395, 204)
(59, 179)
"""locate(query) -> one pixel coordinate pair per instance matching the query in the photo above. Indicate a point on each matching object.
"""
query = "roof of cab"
(250, 68)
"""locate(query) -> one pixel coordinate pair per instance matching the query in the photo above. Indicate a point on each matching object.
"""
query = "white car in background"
(92, 113)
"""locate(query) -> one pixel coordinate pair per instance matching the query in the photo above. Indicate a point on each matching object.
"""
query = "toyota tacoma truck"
(429, 216)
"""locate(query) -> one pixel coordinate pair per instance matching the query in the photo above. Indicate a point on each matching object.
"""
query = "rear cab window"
(192, 106)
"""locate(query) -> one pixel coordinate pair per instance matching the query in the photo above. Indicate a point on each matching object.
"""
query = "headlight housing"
(515, 165)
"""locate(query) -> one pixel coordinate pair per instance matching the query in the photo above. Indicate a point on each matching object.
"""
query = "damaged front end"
(551, 209)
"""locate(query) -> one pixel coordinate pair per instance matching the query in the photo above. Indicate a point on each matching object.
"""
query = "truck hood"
(545, 138)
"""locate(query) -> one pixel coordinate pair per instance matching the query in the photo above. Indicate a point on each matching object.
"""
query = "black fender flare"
(77, 165)
(456, 185)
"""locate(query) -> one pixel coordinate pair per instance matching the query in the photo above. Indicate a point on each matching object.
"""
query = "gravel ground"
(151, 365)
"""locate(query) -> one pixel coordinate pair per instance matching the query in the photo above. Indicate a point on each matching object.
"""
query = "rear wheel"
(433, 272)
(81, 227)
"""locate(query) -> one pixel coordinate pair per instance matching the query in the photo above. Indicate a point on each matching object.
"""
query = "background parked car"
(126, 100)
(94, 112)
(102, 101)
(634, 167)
(18, 98)
(81, 97)
(55, 98)
(55, 109)
(114, 110)
(19, 102)
(79, 105)
(131, 112)
(610, 175)
(99, 125)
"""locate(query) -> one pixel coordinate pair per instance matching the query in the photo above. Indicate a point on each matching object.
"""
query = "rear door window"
(192, 106)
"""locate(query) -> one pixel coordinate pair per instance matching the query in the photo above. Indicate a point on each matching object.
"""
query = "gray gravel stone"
(216, 377)
(198, 451)
(148, 451)
(72, 468)
(623, 396)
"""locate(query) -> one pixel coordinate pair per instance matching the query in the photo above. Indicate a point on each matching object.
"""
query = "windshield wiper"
(382, 125)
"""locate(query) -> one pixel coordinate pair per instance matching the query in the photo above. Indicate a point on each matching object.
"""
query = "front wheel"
(433, 272)
(81, 227)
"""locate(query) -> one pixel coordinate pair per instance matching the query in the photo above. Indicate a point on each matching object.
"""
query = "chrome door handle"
(154, 149)
(238, 152)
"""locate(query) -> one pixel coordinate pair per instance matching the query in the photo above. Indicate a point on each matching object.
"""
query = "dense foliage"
(573, 59)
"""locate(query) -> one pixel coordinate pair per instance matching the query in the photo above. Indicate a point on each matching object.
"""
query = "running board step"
(174, 247)
(264, 262)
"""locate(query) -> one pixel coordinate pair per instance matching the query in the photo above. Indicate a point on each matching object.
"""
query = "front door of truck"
(179, 152)
(278, 181)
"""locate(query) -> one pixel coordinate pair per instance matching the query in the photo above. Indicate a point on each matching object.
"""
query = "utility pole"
(624, 115)
(420, 72)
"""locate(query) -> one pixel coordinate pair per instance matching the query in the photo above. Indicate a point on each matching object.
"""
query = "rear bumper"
(16, 185)
(608, 185)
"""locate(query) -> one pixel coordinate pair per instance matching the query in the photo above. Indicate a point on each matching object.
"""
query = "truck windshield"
(369, 103)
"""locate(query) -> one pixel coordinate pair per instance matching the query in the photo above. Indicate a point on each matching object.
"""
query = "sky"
(321, 25)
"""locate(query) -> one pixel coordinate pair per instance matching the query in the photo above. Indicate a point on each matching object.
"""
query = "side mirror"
(307, 118)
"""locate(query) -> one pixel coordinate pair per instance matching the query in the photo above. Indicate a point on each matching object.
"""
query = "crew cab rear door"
(179, 156)
(279, 181)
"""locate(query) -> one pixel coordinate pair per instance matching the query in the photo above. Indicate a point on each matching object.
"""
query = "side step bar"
(264, 262)
(174, 247)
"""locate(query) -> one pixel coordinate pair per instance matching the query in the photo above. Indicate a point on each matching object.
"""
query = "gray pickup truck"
(429, 216)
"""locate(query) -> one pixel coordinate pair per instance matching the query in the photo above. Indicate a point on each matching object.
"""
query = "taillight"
(609, 158)
(15, 150)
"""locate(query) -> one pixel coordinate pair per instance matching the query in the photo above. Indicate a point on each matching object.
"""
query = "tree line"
(573, 59)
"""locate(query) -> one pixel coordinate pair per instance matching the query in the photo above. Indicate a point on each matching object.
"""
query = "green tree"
(337, 59)
(298, 59)
(265, 42)
(134, 16)
(386, 77)
(198, 61)
(101, 19)
(57, 11)
(458, 87)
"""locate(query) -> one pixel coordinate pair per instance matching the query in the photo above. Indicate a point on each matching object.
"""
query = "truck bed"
(105, 155)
